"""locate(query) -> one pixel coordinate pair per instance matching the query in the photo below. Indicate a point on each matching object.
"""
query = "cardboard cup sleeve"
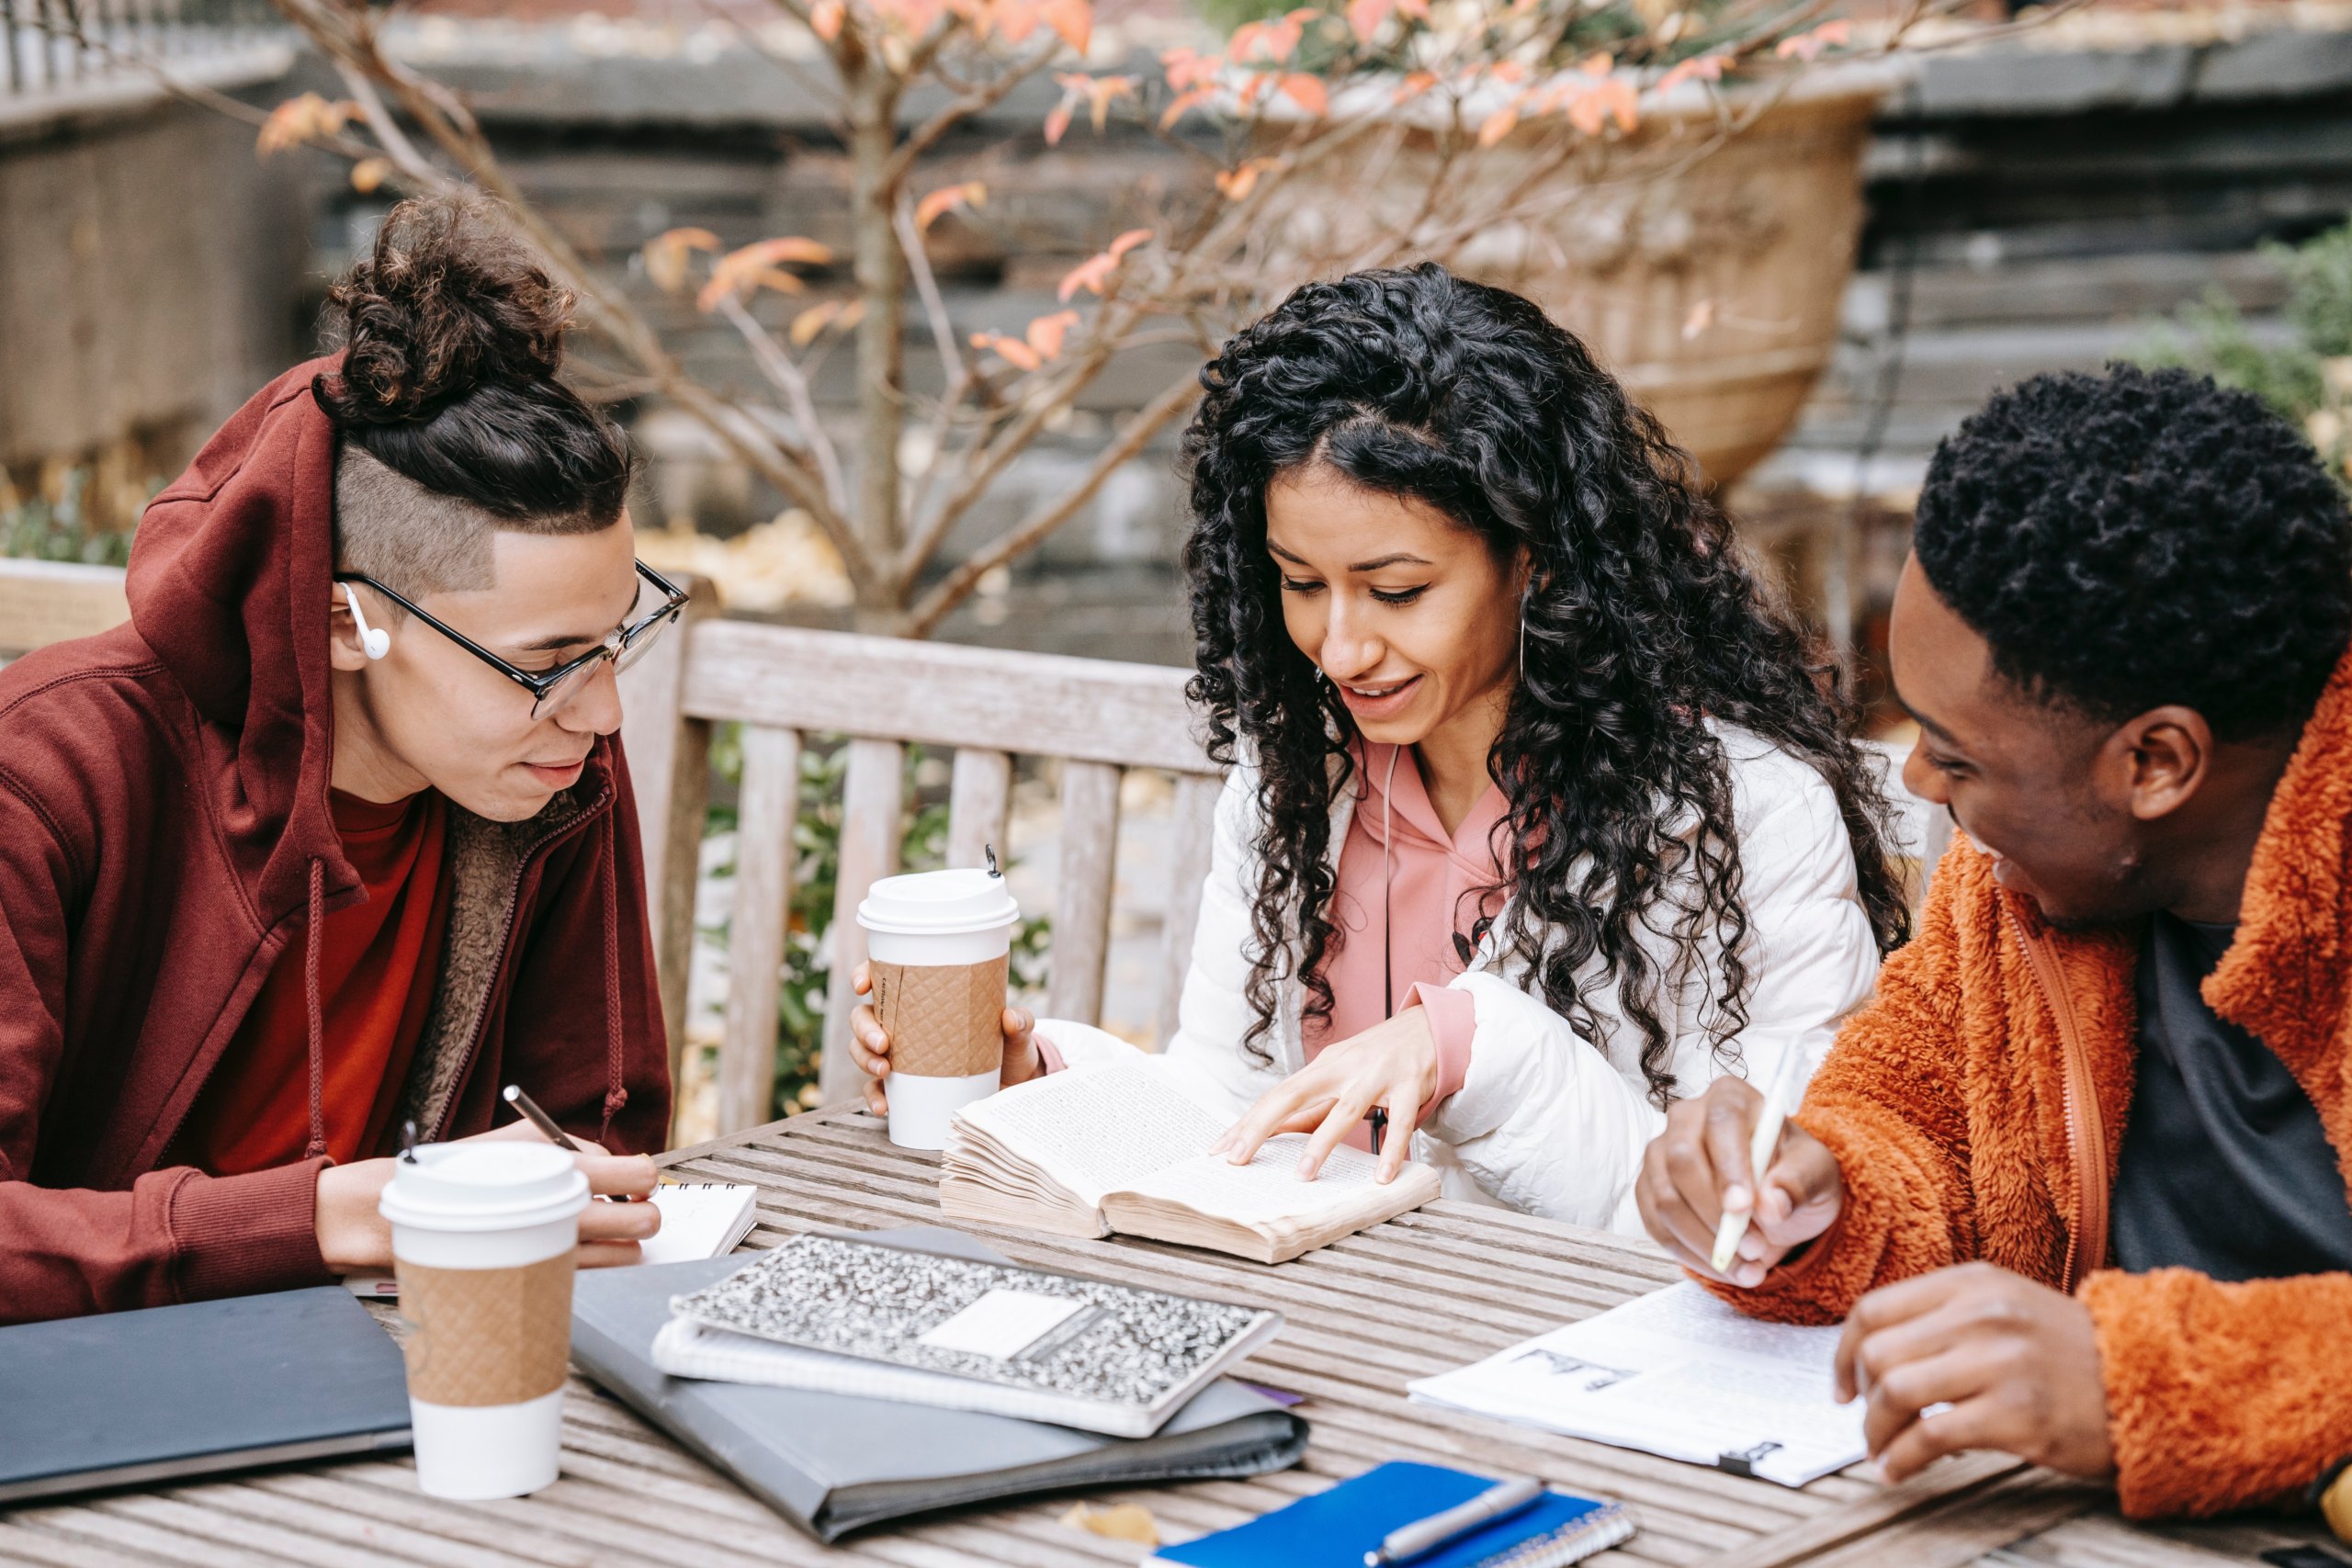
(944, 1020)
(487, 1335)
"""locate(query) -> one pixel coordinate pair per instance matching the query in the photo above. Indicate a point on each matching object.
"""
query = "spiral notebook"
(1336, 1528)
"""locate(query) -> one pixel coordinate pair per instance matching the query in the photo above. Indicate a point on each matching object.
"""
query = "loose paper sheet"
(1678, 1374)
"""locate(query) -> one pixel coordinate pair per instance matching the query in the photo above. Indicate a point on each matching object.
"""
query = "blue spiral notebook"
(1335, 1529)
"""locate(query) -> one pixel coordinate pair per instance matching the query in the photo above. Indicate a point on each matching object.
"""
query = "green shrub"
(41, 528)
(2307, 378)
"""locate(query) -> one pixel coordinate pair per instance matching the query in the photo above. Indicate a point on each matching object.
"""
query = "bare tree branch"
(926, 136)
(779, 367)
(1025, 536)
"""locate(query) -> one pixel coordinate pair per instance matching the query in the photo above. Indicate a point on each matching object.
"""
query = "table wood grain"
(1432, 1290)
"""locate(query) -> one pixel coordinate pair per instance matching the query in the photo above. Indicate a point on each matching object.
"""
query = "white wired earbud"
(374, 641)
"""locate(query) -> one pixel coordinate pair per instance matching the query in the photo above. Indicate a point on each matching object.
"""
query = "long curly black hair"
(1642, 622)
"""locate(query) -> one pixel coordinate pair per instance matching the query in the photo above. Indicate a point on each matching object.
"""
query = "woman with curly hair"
(1536, 820)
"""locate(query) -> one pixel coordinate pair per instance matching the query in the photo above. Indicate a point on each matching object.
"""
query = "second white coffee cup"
(943, 938)
(484, 1234)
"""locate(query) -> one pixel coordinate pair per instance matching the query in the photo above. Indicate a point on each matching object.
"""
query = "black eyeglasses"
(551, 689)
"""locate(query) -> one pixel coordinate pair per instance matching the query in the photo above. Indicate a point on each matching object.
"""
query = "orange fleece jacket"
(1949, 1105)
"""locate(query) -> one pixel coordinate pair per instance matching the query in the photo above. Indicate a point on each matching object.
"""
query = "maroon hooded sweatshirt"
(165, 836)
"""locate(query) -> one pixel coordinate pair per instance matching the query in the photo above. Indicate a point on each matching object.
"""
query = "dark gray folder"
(126, 1398)
(832, 1463)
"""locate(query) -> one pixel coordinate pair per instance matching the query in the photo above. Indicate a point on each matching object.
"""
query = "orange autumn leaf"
(839, 314)
(302, 119)
(1415, 84)
(825, 18)
(759, 265)
(1011, 20)
(665, 255)
(1073, 20)
(1501, 123)
(1273, 41)
(1308, 93)
(1235, 185)
(1096, 92)
(1189, 68)
(1366, 17)
(1094, 272)
(1102, 90)
(1012, 350)
(945, 199)
(1183, 104)
(1046, 333)
(370, 173)
(1698, 67)
(1613, 100)
(1808, 46)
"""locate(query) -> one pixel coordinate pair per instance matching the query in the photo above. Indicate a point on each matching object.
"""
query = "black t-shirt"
(2226, 1169)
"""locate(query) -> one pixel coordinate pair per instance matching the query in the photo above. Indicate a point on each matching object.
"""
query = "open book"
(1117, 1148)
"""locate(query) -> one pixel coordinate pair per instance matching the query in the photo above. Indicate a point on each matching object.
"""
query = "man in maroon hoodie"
(334, 837)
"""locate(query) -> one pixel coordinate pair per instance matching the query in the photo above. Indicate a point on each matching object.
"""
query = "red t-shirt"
(378, 964)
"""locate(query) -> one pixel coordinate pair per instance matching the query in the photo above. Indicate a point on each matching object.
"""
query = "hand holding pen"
(546, 1123)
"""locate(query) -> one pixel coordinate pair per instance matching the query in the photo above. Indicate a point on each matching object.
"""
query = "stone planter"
(1702, 258)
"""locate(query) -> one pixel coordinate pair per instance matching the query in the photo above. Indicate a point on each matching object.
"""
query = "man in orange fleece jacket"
(2076, 1179)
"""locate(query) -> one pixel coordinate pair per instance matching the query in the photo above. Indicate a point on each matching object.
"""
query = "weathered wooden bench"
(1096, 718)
(45, 602)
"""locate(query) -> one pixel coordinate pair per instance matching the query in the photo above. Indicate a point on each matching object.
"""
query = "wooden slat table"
(1433, 1289)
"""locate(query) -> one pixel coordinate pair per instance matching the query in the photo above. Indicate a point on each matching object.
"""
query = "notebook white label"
(1002, 1323)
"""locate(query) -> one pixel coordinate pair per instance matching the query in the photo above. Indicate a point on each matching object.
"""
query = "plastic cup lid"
(485, 1186)
(938, 903)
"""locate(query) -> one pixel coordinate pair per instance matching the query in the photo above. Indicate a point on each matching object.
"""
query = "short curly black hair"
(2141, 538)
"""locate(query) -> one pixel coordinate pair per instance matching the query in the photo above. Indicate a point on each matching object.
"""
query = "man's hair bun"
(452, 335)
(446, 301)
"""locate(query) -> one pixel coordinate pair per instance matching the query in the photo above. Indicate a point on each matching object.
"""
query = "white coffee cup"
(937, 943)
(484, 1238)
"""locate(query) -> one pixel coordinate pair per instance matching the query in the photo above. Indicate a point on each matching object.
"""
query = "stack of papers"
(1675, 1374)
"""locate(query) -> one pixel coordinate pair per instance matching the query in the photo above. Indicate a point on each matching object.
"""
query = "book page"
(1268, 1189)
(1096, 1129)
(1678, 1374)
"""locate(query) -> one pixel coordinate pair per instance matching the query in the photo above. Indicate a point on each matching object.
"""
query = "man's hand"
(1393, 1064)
(1697, 1170)
(869, 1047)
(354, 1238)
(2016, 1362)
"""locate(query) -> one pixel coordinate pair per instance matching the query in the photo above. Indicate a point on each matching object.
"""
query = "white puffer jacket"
(1543, 1121)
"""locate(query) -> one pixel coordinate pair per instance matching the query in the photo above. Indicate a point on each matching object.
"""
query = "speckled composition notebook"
(848, 1317)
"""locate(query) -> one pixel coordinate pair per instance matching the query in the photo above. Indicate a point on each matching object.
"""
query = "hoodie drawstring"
(615, 1096)
(312, 940)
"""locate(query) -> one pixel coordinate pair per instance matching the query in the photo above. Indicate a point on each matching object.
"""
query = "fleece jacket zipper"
(2086, 1129)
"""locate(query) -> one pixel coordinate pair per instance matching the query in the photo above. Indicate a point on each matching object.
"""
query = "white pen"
(1499, 1501)
(1732, 1227)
